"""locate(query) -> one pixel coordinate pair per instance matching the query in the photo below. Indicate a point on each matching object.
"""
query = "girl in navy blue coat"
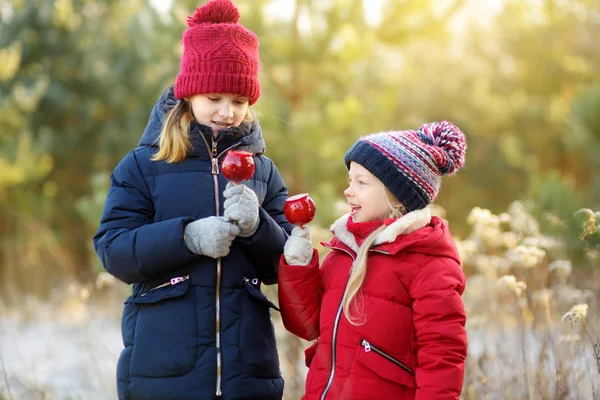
(195, 247)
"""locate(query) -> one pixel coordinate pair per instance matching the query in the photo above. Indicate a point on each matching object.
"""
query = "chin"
(358, 218)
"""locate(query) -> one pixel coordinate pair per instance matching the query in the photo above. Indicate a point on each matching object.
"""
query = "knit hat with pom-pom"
(219, 54)
(411, 163)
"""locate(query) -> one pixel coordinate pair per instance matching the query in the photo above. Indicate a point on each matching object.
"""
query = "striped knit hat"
(411, 163)
(219, 54)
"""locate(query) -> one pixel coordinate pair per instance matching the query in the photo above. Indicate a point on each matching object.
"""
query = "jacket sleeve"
(439, 320)
(266, 245)
(300, 293)
(131, 246)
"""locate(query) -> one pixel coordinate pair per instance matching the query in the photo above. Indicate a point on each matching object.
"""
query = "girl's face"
(366, 195)
(219, 110)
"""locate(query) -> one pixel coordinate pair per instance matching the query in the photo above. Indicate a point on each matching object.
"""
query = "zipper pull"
(366, 345)
(252, 282)
(214, 160)
(179, 279)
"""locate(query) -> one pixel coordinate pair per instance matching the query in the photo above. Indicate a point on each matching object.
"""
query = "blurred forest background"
(521, 78)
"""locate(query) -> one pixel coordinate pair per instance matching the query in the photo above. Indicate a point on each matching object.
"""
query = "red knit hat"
(219, 54)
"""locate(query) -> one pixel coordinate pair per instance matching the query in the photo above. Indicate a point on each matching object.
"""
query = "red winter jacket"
(413, 344)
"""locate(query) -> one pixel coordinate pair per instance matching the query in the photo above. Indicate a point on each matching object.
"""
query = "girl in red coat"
(385, 307)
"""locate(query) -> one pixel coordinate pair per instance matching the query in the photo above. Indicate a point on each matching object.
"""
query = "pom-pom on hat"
(219, 54)
(411, 163)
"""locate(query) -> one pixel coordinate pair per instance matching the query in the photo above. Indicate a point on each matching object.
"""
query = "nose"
(226, 110)
(348, 192)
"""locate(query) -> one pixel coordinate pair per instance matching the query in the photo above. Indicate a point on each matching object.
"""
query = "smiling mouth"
(222, 124)
(354, 208)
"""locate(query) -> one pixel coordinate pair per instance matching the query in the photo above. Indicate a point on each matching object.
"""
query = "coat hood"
(251, 133)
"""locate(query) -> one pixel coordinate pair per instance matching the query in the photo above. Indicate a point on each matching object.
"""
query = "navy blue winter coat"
(170, 333)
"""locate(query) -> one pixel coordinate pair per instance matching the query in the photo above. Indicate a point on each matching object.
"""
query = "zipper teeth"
(335, 328)
(218, 300)
(218, 327)
(382, 353)
(155, 288)
(215, 172)
(333, 344)
(380, 251)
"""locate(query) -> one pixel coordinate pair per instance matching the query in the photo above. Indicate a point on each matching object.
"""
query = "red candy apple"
(238, 166)
(299, 209)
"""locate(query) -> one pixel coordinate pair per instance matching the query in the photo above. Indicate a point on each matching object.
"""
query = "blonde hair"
(174, 141)
(359, 268)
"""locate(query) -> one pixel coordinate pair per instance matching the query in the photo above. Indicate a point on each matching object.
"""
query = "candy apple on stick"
(238, 166)
(299, 209)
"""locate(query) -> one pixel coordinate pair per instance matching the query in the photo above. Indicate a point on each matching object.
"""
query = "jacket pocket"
(384, 365)
(258, 347)
(165, 341)
(257, 294)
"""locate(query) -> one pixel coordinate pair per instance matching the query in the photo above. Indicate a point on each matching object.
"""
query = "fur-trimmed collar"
(404, 225)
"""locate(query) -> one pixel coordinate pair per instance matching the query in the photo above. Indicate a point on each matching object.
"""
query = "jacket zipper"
(215, 173)
(387, 253)
(212, 152)
(214, 159)
(369, 347)
(338, 316)
(172, 282)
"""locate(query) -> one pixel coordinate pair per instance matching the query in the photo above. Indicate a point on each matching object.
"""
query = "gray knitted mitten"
(241, 205)
(211, 236)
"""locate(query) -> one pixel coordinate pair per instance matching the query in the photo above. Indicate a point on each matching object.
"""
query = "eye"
(241, 102)
(213, 98)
